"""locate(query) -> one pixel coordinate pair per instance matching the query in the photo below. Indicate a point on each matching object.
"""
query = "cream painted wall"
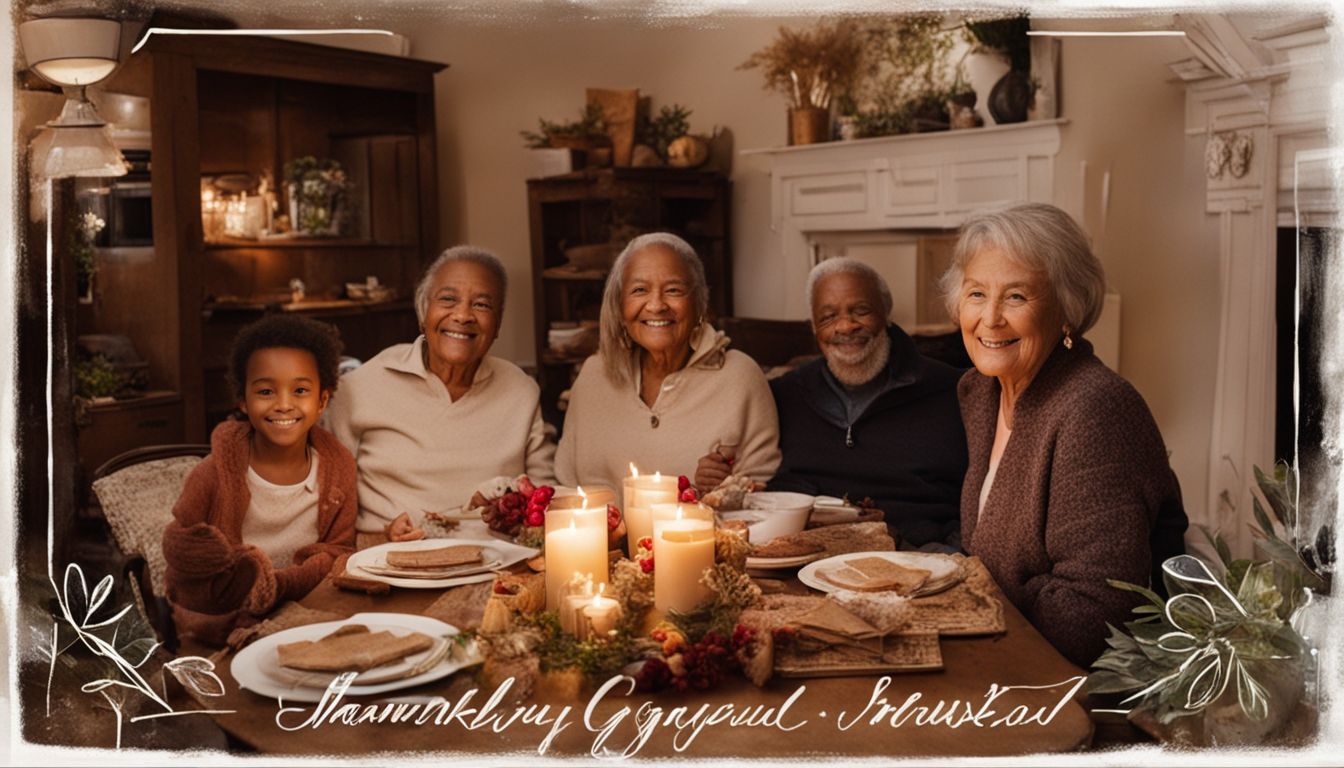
(504, 76)
(1159, 248)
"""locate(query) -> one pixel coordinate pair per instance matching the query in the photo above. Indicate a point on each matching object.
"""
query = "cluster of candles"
(576, 550)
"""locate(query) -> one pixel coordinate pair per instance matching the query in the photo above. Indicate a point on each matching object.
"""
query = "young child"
(271, 511)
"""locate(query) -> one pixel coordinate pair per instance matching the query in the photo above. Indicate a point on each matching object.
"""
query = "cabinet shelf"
(335, 243)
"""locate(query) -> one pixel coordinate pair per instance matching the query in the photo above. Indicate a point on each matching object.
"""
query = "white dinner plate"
(257, 666)
(944, 571)
(780, 563)
(506, 552)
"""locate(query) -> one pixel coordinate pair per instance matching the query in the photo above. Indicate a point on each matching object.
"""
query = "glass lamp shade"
(71, 51)
(60, 151)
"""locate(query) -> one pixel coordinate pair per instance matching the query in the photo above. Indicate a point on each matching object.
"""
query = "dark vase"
(1011, 97)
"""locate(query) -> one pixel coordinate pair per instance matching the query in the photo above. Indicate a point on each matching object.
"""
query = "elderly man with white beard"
(873, 418)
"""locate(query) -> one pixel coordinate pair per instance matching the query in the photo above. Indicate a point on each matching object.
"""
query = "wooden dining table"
(1007, 694)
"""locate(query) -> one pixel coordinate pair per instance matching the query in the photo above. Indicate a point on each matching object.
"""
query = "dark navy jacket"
(907, 451)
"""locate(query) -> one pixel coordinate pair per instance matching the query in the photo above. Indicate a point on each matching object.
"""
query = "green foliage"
(596, 657)
(1007, 36)
(1214, 633)
(670, 124)
(95, 376)
(591, 124)
(910, 57)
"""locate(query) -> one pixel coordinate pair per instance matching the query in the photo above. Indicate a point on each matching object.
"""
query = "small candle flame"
(657, 476)
(680, 513)
(580, 490)
(634, 471)
(598, 597)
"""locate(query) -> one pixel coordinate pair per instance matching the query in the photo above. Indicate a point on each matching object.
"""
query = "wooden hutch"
(247, 105)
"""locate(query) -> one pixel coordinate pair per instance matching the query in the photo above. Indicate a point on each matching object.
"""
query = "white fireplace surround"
(1270, 114)
(911, 182)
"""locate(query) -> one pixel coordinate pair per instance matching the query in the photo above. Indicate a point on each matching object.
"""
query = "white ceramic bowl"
(771, 514)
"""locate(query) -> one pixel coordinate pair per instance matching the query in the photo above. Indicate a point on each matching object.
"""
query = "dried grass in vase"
(812, 67)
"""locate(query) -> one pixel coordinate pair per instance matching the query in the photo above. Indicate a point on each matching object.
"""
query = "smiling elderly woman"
(429, 421)
(1068, 483)
(664, 390)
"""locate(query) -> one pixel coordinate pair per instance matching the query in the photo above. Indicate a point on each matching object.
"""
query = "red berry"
(535, 519)
(549, 491)
(525, 486)
(688, 496)
(646, 542)
(646, 565)
(500, 589)
(683, 482)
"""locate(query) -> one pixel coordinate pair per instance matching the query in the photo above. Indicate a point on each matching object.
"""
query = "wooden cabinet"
(610, 206)
(248, 105)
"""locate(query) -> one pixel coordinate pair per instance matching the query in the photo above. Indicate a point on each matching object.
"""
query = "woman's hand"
(402, 529)
(712, 469)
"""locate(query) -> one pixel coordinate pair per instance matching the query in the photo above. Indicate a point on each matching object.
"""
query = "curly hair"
(291, 332)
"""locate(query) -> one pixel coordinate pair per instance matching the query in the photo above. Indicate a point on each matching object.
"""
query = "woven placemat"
(899, 653)
(462, 606)
(972, 607)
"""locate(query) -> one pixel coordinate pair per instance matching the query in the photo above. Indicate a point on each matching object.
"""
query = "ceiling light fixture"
(73, 53)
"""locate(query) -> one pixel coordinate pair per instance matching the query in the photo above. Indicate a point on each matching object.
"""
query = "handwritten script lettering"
(624, 731)
(956, 713)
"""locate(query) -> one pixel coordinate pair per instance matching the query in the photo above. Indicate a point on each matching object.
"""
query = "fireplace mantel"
(915, 181)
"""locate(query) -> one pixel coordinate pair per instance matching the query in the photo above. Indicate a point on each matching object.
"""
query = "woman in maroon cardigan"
(1068, 483)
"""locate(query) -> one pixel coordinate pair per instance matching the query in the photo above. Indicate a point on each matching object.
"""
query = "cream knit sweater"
(721, 396)
(417, 450)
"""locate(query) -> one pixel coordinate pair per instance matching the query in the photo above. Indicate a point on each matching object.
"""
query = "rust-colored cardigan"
(215, 580)
(1083, 493)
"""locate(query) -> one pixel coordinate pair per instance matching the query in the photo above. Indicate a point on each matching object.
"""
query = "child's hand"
(402, 529)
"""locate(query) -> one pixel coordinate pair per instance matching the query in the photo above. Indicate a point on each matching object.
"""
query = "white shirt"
(281, 518)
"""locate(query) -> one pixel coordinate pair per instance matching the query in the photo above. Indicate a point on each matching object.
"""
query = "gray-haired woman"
(1068, 483)
(664, 390)
(430, 420)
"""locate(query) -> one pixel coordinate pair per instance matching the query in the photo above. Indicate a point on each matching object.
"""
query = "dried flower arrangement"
(814, 66)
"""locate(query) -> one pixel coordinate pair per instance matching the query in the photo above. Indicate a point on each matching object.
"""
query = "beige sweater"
(417, 450)
(721, 396)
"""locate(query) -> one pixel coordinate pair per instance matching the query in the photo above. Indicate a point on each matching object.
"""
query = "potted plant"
(811, 68)
(1006, 39)
(658, 132)
(82, 234)
(316, 191)
(1225, 659)
(585, 134)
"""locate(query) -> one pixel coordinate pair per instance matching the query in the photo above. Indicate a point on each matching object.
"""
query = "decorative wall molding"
(1256, 124)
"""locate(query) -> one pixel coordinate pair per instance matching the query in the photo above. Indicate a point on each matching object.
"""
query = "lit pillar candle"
(682, 549)
(571, 607)
(602, 614)
(641, 493)
(576, 542)
(593, 498)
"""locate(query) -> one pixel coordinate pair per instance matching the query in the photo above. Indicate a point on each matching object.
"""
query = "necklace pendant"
(653, 421)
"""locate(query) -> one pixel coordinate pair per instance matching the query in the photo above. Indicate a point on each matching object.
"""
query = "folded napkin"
(822, 638)
(845, 538)
(288, 616)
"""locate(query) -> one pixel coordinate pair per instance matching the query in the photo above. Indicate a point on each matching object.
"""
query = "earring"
(1068, 340)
